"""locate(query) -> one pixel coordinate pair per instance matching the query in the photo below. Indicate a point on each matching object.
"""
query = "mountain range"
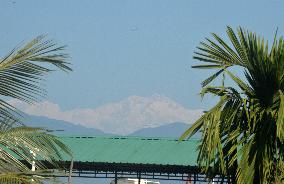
(122, 117)
(172, 130)
(59, 127)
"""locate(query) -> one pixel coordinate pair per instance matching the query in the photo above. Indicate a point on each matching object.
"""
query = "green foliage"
(243, 135)
(22, 74)
(23, 70)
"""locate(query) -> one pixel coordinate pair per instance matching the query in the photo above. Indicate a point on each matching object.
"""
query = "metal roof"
(133, 150)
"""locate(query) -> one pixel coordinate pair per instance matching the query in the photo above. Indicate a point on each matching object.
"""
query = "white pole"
(33, 162)
(70, 172)
(33, 166)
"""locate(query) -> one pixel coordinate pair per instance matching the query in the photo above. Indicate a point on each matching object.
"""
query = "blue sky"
(121, 48)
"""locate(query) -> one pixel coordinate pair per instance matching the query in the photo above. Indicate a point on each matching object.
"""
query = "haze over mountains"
(172, 130)
(59, 127)
(121, 118)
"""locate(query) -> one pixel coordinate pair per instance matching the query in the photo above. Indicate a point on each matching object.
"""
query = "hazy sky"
(121, 48)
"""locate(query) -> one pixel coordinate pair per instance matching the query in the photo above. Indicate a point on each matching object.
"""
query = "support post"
(70, 171)
(139, 178)
(33, 162)
(188, 179)
(115, 177)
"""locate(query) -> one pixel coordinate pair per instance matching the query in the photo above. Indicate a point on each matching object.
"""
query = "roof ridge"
(127, 137)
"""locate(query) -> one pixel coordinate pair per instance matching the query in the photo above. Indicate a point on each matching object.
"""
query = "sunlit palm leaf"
(22, 73)
(16, 148)
(244, 136)
(23, 70)
(17, 143)
(36, 177)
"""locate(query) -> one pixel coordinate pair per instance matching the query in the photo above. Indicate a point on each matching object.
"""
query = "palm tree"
(22, 73)
(243, 134)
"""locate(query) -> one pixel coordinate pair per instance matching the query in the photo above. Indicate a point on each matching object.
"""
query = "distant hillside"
(62, 127)
(121, 117)
(172, 130)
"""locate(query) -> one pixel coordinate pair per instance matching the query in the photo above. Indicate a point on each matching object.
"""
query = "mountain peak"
(122, 117)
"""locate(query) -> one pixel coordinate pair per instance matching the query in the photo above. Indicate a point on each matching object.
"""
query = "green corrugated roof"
(133, 150)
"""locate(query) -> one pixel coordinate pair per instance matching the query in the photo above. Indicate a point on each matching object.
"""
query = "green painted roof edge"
(125, 149)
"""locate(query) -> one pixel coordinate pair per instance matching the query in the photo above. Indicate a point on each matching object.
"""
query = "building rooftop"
(133, 150)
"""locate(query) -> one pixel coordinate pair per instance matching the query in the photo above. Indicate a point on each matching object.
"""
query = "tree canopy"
(22, 73)
(243, 134)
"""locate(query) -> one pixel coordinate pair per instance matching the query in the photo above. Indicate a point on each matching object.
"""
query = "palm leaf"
(23, 70)
(244, 136)
(22, 74)
(280, 119)
(17, 143)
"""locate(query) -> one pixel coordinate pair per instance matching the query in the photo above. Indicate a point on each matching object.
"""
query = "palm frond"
(22, 74)
(280, 120)
(36, 177)
(23, 70)
(21, 146)
(244, 136)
